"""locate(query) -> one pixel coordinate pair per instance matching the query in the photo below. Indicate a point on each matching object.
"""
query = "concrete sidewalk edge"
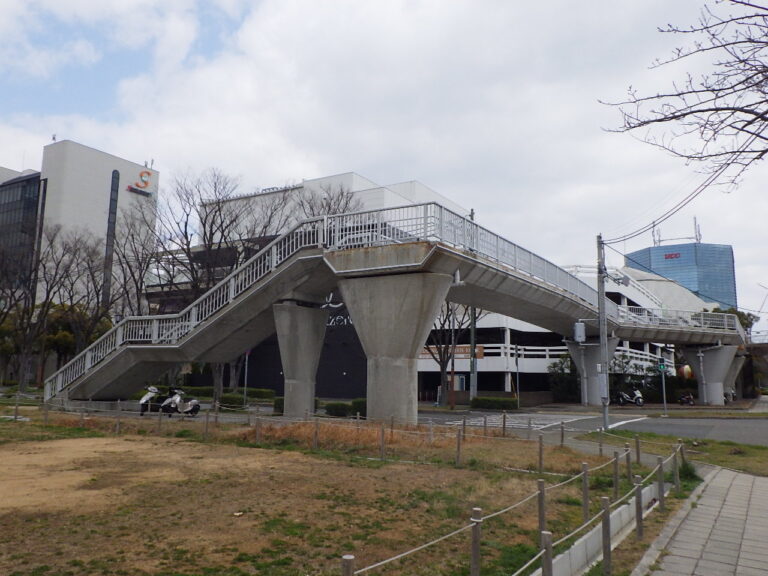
(658, 546)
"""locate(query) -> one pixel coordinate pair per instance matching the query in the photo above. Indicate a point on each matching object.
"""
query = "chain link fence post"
(562, 434)
(347, 565)
(660, 482)
(628, 458)
(458, 447)
(546, 560)
(639, 507)
(676, 470)
(585, 491)
(542, 505)
(477, 520)
(606, 524)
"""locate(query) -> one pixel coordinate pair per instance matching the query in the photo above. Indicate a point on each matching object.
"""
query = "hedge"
(359, 405)
(253, 393)
(492, 403)
(338, 409)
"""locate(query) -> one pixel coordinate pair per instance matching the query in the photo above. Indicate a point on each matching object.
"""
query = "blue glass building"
(707, 270)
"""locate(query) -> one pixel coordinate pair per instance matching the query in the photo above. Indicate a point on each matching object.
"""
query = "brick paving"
(723, 533)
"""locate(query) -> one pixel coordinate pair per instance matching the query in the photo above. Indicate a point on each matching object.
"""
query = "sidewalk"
(722, 531)
(760, 405)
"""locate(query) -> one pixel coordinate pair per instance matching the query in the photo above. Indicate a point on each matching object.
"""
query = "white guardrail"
(651, 318)
(420, 222)
(759, 337)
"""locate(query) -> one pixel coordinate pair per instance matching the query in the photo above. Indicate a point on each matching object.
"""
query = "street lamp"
(602, 320)
(663, 371)
(472, 341)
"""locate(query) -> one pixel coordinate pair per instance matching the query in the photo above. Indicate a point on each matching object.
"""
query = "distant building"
(77, 188)
(707, 270)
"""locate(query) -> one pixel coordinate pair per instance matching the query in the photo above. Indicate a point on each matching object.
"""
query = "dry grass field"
(77, 499)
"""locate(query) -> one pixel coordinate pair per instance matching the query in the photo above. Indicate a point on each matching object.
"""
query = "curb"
(658, 546)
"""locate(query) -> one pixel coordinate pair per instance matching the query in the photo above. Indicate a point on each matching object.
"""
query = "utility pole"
(602, 367)
(472, 341)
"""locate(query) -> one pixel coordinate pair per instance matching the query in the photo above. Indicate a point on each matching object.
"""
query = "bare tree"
(205, 231)
(448, 329)
(717, 118)
(328, 200)
(28, 318)
(136, 249)
(81, 288)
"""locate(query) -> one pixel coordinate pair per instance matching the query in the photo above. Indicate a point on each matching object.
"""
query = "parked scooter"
(175, 404)
(636, 397)
(146, 404)
(686, 399)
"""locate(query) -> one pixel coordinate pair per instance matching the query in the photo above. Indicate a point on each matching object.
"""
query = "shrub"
(261, 393)
(359, 405)
(278, 405)
(688, 472)
(491, 403)
(338, 409)
(232, 399)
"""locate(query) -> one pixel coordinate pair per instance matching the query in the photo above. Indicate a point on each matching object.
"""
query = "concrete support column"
(733, 372)
(300, 335)
(711, 367)
(586, 356)
(393, 316)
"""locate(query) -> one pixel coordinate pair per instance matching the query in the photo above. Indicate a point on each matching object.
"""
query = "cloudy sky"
(494, 103)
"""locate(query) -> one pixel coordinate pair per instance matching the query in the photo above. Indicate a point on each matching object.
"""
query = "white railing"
(552, 353)
(420, 222)
(591, 270)
(651, 318)
(759, 337)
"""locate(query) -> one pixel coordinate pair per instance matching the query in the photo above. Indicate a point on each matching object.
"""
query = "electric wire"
(708, 181)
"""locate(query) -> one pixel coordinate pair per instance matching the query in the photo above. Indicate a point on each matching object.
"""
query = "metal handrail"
(653, 317)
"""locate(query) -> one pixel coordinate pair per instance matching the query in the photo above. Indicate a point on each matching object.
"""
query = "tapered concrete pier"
(712, 366)
(300, 335)
(393, 316)
(586, 356)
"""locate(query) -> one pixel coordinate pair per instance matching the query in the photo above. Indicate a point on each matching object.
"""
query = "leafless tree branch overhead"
(717, 118)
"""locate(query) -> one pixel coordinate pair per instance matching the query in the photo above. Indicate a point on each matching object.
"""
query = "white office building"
(78, 189)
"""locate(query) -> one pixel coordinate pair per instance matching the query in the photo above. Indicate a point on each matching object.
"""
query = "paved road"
(743, 431)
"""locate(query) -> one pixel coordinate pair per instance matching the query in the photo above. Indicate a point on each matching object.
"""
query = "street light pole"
(472, 341)
(602, 367)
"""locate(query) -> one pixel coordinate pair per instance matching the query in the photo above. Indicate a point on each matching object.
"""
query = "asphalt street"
(743, 431)
(740, 430)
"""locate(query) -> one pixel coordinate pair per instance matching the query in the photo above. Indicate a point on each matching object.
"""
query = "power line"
(689, 198)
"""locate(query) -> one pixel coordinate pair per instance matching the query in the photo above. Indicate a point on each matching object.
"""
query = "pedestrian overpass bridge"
(393, 268)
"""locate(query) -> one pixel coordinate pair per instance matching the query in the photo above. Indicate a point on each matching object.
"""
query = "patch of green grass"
(18, 431)
(506, 559)
(438, 502)
(285, 526)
